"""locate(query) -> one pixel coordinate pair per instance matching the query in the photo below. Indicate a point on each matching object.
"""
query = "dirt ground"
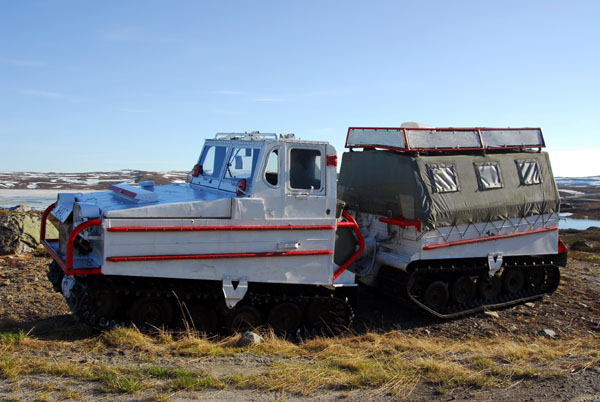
(28, 303)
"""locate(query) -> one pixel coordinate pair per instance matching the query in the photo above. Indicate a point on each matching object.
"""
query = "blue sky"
(88, 86)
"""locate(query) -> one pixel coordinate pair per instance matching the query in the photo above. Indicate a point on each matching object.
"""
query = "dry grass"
(391, 363)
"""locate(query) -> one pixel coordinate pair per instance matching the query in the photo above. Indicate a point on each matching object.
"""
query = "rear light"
(196, 170)
(561, 246)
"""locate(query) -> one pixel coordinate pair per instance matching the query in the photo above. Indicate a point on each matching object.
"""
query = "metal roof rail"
(418, 139)
(251, 136)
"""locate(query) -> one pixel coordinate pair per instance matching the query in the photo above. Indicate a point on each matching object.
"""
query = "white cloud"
(45, 94)
(227, 92)
(54, 95)
(25, 63)
(269, 100)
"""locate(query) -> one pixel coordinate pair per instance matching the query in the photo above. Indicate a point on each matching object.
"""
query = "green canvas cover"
(445, 190)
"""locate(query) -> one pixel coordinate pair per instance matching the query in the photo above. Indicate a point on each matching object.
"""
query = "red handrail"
(67, 264)
(402, 222)
(361, 243)
(44, 218)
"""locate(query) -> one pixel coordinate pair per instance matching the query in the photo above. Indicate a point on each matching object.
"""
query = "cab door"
(306, 187)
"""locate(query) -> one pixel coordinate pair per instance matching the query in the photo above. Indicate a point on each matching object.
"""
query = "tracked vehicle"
(248, 239)
(453, 220)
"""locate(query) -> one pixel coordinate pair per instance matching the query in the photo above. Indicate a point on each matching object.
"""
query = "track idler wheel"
(242, 318)
(463, 290)
(536, 277)
(489, 288)
(513, 280)
(436, 295)
(204, 319)
(151, 311)
(285, 318)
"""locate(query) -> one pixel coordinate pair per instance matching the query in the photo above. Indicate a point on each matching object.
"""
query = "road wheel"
(204, 319)
(285, 318)
(436, 295)
(513, 280)
(489, 288)
(151, 311)
(463, 290)
(242, 318)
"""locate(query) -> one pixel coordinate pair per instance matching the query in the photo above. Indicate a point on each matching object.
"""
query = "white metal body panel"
(191, 231)
(398, 246)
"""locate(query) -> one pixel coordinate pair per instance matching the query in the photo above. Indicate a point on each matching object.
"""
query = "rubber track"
(209, 293)
(477, 305)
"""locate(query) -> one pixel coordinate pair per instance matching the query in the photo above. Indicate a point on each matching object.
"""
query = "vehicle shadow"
(59, 328)
(378, 313)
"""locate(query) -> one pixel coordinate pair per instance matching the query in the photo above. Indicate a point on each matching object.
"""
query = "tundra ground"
(545, 350)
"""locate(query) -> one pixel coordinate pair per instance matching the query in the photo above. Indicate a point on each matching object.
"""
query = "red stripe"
(217, 256)
(217, 228)
(482, 239)
(122, 191)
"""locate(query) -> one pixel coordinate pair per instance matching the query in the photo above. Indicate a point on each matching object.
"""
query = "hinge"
(234, 293)
(494, 262)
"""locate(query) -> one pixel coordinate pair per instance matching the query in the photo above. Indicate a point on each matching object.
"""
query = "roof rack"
(414, 139)
(252, 135)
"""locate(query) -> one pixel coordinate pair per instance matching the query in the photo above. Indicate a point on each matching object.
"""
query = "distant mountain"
(590, 181)
(84, 181)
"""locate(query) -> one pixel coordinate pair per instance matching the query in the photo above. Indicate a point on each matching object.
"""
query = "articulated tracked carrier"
(453, 219)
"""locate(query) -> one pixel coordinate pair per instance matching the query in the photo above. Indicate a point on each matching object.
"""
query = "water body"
(36, 199)
(579, 224)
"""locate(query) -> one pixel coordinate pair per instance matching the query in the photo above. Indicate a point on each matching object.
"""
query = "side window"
(272, 169)
(212, 160)
(488, 175)
(305, 169)
(443, 177)
(241, 163)
(529, 172)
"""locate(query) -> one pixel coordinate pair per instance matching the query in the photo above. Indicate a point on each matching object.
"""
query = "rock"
(530, 304)
(582, 245)
(9, 235)
(549, 332)
(249, 338)
(21, 208)
(20, 232)
(492, 314)
(513, 328)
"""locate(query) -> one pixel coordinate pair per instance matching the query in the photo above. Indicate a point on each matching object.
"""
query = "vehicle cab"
(294, 179)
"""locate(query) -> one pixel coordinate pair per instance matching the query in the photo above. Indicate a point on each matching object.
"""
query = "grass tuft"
(115, 381)
(127, 337)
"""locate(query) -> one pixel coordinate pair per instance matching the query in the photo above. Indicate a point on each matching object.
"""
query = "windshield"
(242, 163)
(212, 159)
